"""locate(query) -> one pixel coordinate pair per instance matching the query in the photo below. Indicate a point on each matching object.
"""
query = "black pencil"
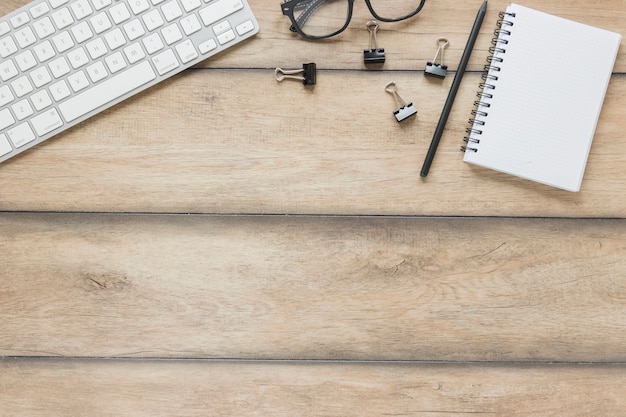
(441, 125)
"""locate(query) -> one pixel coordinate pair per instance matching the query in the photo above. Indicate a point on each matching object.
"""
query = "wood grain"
(313, 288)
(145, 310)
(198, 388)
(236, 141)
(284, 149)
(408, 45)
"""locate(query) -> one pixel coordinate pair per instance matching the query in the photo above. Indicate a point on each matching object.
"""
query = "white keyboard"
(62, 61)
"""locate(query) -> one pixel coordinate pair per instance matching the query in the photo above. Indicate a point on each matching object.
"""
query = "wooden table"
(225, 244)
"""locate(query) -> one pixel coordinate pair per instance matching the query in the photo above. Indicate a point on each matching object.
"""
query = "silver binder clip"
(432, 68)
(405, 110)
(373, 55)
(307, 74)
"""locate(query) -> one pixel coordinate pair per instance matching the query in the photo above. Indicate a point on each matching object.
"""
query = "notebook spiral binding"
(490, 78)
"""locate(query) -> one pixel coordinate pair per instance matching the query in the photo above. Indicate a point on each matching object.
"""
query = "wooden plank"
(312, 288)
(408, 45)
(238, 142)
(198, 388)
(248, 144)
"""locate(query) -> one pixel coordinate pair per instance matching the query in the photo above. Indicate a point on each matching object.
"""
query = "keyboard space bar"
(106, 91)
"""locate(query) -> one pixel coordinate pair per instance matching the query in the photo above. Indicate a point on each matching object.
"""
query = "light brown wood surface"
(224, 244)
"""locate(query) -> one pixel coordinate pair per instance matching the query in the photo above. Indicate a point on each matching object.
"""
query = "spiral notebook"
(541, 97)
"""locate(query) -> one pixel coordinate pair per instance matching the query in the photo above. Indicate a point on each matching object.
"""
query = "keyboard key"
(100, 23)
(153, 20)
(190, 24)
(171, 34)
(219, 10)
(82, 32)
(78, 58)
(7, 47)
(226, 37)
(221, 27)
(207, 46)
(25, 37)
(6, 96)
(63, 41)
(21, 135)
(134, 29)
(153, 43)
(8, 70)
(119, 13)
(115, 62)
(41, 100)
(26, 60)
(20, 20)
(138, 6)
(40, 77)
(81, 9)
(39, 10)
(47, 122)
(78, 81)
(165, 62)
(108, 90)
(4, 28)
(100, 4)
(22, 86)
(58, 3)
(190, 5)
(186, 51)
(96, 48)
(134, 53)
(245, 27)
(59, 67)
(171, 10)
(5, 146)
(44, 27)
(115, 39)
(44, 51)
(22, 109)
(6, 119)
(62, 18)
(60, 90)
(97, 72)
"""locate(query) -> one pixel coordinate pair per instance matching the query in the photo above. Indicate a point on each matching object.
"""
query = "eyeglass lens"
(393, 10)
(320, 18)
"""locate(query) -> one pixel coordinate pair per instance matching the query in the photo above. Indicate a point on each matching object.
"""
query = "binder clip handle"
(432, 67)
(308, 74)
(373, 55)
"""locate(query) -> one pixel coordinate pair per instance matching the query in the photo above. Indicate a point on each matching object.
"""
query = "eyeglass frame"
(288, 8)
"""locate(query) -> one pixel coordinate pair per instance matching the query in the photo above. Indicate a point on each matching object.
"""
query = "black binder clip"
(373, 55)
(405, 110)
(308, 74)
(432, 68)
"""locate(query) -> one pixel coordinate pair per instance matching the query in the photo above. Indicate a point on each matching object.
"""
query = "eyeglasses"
(319, 19)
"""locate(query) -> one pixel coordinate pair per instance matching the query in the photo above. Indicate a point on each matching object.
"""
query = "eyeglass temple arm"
(309, 7)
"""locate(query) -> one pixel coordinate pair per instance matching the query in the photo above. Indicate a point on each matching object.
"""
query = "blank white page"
(547, 98)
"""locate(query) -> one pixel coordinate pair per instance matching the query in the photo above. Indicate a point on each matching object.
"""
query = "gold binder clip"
(432, 68)
(405, 110)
